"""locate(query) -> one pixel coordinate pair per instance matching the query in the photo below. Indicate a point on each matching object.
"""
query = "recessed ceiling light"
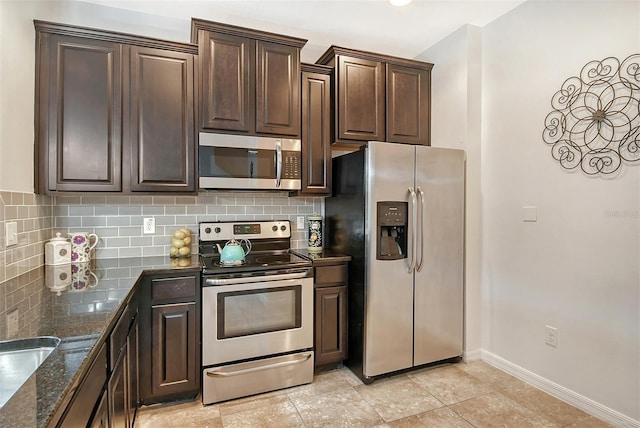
(399, 2)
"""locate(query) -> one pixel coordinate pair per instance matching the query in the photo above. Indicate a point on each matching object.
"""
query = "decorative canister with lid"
(57, 251)
(315, 233)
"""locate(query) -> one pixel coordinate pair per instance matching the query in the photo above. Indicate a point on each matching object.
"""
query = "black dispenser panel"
(391, 230)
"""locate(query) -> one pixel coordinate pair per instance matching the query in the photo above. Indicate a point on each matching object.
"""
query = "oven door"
(247, 320)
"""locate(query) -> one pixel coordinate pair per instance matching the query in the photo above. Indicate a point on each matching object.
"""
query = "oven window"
(230, 162)
(244, 313)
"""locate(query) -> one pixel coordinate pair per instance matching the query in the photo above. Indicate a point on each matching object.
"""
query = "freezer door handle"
(412, 235)
(421, 219)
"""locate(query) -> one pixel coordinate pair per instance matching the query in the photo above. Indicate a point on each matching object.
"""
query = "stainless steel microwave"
(248, 162)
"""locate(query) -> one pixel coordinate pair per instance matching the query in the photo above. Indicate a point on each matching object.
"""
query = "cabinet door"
(118, 400)
(101, 417)
(227, 62)
(132, 372)
(161, 133)
(361, 99)
(277, 89)
(174, 345)
(316, 138)
(80, 99)
(331, 325)
(88, 394)
(408, 117)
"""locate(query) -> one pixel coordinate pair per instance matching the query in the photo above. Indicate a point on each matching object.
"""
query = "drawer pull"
(297, 360)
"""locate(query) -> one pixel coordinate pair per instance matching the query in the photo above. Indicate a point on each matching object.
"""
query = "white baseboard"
(474, 355)
(583, 403)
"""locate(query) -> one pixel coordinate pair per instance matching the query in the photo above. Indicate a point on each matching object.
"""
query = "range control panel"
(217, 231)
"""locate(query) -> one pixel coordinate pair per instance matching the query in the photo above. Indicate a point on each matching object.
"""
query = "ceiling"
(372, 25)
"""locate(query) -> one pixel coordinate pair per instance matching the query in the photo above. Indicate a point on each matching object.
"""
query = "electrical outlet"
(551, 336)
(12, 323)
(11, 233)
(300, 221)
(149, 225)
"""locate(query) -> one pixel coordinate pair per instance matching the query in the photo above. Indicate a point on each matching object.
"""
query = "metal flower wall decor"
(595, 122)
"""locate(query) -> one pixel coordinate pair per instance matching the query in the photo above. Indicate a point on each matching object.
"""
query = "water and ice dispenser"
(391, 230)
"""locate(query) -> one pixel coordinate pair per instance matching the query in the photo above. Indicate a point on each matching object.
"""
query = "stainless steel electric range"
(257, 316)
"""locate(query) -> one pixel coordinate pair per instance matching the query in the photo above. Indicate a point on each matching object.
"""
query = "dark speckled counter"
(326, 257)
(81, 319)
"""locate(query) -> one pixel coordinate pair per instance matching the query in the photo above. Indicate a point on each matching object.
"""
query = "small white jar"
(57, 251)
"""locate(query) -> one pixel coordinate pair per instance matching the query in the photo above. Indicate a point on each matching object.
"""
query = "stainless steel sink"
(19, 359)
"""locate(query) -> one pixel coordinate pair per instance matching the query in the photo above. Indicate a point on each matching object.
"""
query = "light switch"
(530, 213)
(11, 233)
(300, 222)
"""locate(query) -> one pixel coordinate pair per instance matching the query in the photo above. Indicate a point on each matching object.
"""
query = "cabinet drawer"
(331, 274)
(119, 334)
(173, 288)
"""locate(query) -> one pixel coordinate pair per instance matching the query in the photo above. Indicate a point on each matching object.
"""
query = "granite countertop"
(80, 318)
(323, 258)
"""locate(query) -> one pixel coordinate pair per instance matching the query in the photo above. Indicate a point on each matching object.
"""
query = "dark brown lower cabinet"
(169, 359)
(330, 336)
(118, 402)
(132, 372)
(101, 417)
(173, 343)
(81, 410)
(107, 396)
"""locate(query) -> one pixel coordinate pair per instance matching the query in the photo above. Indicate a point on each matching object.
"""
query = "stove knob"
(283, 228)
(217, 230)
(207, 230)
(274, 228)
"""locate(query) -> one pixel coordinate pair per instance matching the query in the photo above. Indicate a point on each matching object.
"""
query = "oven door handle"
(248, 279)
(298, 360)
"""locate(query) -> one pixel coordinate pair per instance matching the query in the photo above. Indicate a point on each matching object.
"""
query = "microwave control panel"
(291, 165)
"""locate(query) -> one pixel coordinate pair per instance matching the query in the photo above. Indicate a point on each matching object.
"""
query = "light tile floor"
(459, 395)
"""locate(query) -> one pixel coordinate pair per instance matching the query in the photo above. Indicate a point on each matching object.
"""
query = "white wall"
(577, 267)
(455, 123)
(17, 69)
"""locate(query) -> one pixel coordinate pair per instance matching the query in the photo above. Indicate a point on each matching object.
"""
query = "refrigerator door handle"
(412, 234)
(421, 219)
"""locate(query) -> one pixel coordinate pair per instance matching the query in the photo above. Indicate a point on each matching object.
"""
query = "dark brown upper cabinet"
(78, 110)
(250, 80)
(408, 104)
(316, 130)
(162, 128)
(379, 97)
(360, 99)
(115, 113)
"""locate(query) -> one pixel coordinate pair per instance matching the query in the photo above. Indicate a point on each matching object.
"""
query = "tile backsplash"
(33, 217)
(118, 220)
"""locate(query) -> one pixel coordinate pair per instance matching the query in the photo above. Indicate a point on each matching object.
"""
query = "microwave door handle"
(278, 162)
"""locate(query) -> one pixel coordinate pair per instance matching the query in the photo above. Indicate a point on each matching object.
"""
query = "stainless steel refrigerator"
(398, 210)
